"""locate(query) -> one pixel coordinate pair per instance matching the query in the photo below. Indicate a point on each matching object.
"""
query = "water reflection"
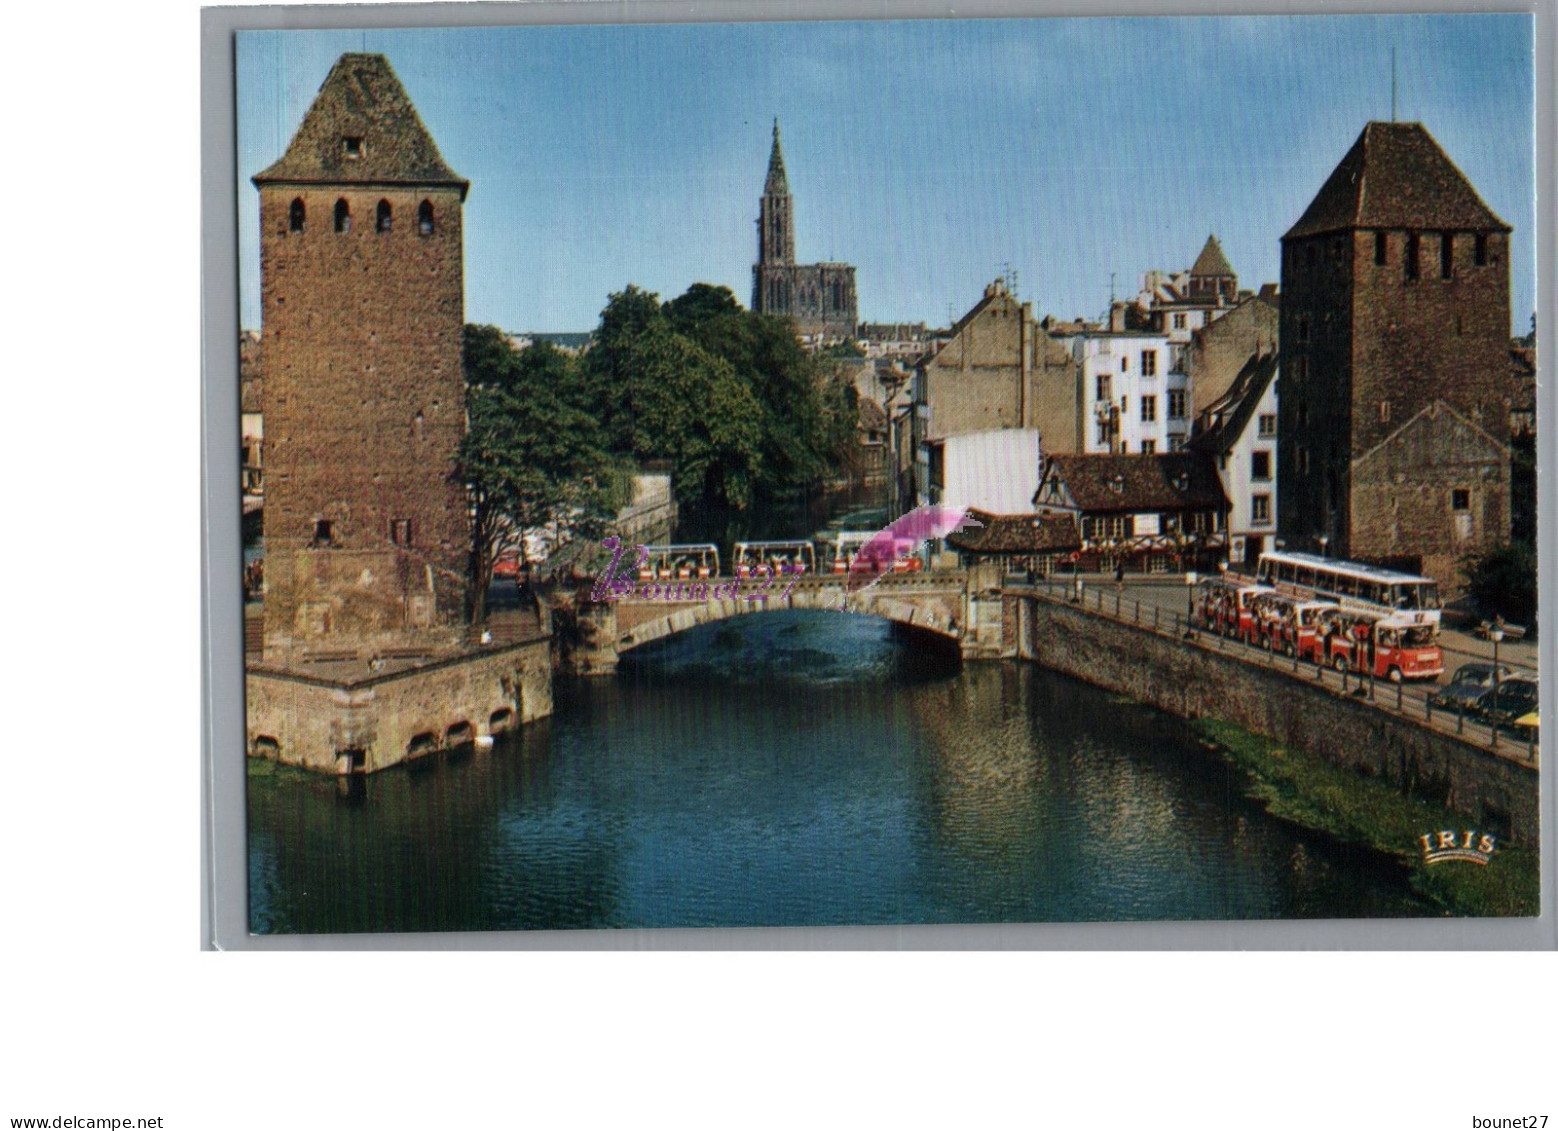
(800, 769)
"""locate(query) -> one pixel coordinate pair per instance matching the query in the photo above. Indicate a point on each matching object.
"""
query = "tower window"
(343, 216)
(1303, 328)
(296, 215)
(1384, 412)
(1446, 255)
(1482, 250)
(1260, 465)
(352, 148)
(384, 218)
(1381, 248)
(1409, 263)
(1460, 499)
(425, 217)
(400, 531)
(324, 532)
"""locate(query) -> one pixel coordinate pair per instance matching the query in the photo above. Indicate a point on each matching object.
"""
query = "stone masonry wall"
(1192, 682)
(365, 405)
(308, 721)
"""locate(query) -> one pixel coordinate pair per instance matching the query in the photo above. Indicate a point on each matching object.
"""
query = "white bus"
(772, 558)
(1405, 597)
(681, 562)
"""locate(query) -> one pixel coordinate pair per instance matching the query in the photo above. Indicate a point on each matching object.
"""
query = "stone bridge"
(963, 607)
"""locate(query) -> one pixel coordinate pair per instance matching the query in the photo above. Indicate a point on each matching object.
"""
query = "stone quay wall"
(362, 725)
(1178, 676)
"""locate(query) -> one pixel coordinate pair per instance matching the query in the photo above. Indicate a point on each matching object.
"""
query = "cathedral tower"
(362, 287)
(820, 297)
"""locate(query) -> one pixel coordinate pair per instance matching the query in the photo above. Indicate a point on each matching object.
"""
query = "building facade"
(1239, 433)
(362, 285)
(1395, 297)
(996, 370)
(1217, 353)
(1153, 514)
(820, 297)
(1136, 403)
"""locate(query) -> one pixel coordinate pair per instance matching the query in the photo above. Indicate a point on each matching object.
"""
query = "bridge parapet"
(939, 603)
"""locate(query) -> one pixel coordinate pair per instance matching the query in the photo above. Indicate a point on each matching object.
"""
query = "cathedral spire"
(777, 184)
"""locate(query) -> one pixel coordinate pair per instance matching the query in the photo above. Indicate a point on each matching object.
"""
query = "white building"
(995, 471)
(1240, 433)
(1135, 402)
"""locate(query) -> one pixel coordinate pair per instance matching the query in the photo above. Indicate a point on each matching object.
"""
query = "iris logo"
(1468, 845)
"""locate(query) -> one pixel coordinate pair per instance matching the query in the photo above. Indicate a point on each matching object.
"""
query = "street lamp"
(1325, 540)
(1190, 589)
(1496, 635)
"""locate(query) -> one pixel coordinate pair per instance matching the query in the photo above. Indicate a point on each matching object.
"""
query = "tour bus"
(771, 558)
(682, 562)
(1393, 646)
(1225, 605)
(843, 550)
(1352, 585)
(1289, 626)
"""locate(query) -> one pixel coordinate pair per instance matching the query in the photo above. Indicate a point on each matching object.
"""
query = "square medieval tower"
(1394, 417)
(362, 285)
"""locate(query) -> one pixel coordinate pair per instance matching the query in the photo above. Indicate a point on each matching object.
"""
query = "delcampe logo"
(1466, 845)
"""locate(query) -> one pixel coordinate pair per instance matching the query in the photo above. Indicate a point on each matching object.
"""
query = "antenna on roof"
(1392, 83)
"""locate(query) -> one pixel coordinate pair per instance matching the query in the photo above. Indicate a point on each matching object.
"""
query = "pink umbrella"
(899, 538)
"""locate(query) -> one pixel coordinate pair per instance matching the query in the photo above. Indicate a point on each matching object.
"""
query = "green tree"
(689, 407)
(1502, 582)
(531, 458)
(807, 407)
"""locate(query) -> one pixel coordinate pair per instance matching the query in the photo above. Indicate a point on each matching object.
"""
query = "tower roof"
(1212, 261)
(362, 130)
(1396, 176)
(777, 183)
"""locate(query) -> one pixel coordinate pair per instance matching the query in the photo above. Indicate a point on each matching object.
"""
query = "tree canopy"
(750, 422)
(531, 456)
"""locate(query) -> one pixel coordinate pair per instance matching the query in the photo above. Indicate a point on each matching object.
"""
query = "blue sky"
(930, 154)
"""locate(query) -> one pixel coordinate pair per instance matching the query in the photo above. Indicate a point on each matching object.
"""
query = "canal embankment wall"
(1193, 681)
(339, 725)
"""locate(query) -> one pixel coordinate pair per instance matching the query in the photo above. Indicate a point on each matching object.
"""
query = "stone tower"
(1395, 345)
(820, 297)
(362, 287)
(1212, 278)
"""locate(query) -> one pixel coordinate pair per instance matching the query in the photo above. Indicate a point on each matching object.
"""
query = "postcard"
(847, 473)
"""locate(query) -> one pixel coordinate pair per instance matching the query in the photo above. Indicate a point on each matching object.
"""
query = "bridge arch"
(937, 611)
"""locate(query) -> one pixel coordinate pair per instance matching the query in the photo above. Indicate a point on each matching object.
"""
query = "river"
(799, 769)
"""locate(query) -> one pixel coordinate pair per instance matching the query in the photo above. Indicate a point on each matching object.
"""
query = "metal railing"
(1408, 700)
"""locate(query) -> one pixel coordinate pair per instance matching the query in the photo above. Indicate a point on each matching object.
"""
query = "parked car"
(1469, 683)
(1508, 701)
